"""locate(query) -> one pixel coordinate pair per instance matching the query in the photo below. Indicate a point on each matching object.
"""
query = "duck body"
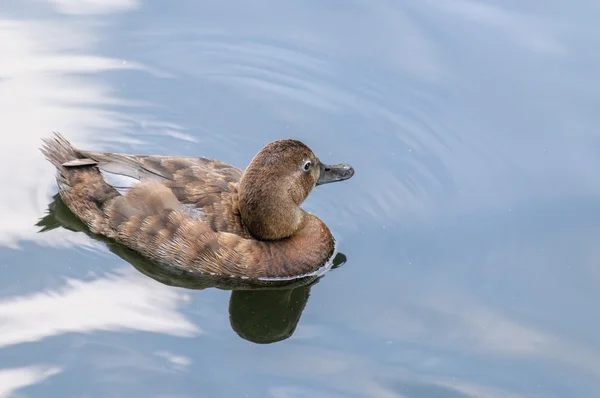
(202, 215)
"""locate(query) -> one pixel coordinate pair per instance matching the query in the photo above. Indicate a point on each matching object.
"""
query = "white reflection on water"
(119, 301)
(95, 6)
(15, 378)
(48, 82)
(178, 361)
(37, 96)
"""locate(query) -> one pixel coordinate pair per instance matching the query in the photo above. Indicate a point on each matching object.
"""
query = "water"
(469, 230)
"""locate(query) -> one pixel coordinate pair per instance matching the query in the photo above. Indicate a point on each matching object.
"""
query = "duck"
(200, 215)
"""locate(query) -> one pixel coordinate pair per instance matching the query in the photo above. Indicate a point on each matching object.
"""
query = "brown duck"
(201, 215)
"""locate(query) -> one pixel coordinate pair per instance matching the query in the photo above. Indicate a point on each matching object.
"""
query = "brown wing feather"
(206, 184)
(161, 167)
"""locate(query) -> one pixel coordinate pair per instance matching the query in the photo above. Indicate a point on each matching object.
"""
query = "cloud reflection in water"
(15, 378)
(122, 300)
(48, 82)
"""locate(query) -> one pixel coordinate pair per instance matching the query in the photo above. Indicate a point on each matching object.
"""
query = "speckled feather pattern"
(206, 184)
(150, 218)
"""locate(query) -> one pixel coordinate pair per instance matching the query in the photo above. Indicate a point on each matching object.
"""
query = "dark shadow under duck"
(198, 215)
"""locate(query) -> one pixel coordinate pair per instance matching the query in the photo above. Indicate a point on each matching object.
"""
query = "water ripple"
(407, 155)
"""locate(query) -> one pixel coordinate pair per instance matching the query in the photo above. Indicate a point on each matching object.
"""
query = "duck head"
(277, 181)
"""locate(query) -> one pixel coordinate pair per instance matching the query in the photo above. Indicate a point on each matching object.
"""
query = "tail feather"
(62, 154)
(82, 187)
(58, 150)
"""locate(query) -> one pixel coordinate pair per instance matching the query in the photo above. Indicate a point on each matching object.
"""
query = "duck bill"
(333, 173)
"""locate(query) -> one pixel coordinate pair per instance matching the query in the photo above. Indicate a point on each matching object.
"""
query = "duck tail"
(58, 151)
(64, 157)
(80, 183)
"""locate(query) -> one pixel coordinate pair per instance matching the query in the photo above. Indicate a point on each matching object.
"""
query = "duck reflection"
(263, 311)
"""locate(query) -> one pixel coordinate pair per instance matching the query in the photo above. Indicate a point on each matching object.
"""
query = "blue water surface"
(469, 229)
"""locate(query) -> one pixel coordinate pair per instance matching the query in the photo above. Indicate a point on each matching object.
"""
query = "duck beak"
(334, 173)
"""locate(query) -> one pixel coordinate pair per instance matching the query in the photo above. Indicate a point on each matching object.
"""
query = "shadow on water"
(259, 311)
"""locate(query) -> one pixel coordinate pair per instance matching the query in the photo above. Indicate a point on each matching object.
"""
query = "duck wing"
(201, 183)
(191, 178)
(183, 169)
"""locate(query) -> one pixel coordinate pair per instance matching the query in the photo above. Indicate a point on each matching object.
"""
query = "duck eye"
(307, 165)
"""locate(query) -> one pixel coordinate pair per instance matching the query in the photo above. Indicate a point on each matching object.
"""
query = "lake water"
(470, 230)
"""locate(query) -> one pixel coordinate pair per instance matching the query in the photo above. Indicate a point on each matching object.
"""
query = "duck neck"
(267, 213)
